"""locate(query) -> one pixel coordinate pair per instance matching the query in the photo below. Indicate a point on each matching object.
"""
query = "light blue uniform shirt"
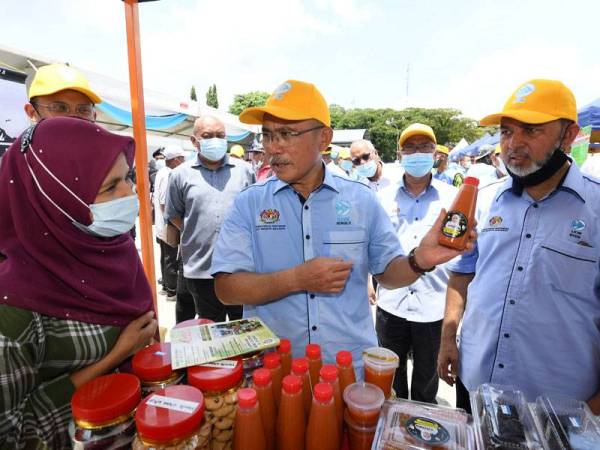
(413, 217)
(442, 176)
(270, 230)
(532, 317)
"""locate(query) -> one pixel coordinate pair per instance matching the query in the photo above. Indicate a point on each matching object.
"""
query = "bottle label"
(455, 224)
(427, 430)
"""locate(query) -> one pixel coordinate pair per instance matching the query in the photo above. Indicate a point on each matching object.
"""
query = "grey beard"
(535, 166)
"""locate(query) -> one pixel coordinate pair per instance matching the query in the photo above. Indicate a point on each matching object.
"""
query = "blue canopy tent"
(473, 149)
(590, 114)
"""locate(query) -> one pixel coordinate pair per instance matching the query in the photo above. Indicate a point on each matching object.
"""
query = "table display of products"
(103, 413)
(409, 425)
(152, 365)
(219, 382)
(172, 419)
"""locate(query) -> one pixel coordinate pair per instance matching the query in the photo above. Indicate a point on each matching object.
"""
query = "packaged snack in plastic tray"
(566, 424)
(503, 419)
(411, 425)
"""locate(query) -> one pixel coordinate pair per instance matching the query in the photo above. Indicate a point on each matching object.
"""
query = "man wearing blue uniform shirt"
(296, 249)
(532, 317)
(409, 319)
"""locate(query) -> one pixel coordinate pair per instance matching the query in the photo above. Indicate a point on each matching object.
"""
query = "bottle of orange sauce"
(291, 423)
(300, 369)
(248, 432)
(322, 432)
(272, 362)
(313, 354)
(285, 352)
(329, 374)
(264, 389)
(460, 217)
(346, 373)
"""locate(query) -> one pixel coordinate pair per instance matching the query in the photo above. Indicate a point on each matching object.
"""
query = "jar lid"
(153, 363)
(174, 412)
(192, 322)
(380, 357)
(363, 396)
(106, 398)
(218, 379)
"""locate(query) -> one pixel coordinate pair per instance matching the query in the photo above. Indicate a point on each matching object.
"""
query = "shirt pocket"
(570, 267)
(349, 245)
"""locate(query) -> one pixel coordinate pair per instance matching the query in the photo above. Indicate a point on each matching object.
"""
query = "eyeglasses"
(356, 161)
(284, 137)
(409, 149)
(85, 110)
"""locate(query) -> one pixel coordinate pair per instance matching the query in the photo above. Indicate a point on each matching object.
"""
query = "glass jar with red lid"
(172, 418)
(103, 412)
(219, 381)
(192, 322)
(152, 365)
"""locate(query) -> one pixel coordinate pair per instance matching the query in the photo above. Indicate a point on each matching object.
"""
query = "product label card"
(174, 404)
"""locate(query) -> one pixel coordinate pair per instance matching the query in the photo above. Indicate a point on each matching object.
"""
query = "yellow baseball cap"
(442, 149)
(498, 149)
(537, 101)
(59, 77)
(344, 153)
(417, 129)
(237, 150)
(292, 100)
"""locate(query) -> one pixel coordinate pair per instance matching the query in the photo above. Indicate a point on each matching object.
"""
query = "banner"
(13, 97)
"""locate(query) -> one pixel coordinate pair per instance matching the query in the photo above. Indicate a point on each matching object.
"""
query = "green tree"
(247, 100)
(193, 94)
(211, 96)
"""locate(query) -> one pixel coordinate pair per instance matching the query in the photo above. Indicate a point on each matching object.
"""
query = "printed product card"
(174, 404)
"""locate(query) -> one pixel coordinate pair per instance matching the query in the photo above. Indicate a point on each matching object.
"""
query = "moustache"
(273, 160)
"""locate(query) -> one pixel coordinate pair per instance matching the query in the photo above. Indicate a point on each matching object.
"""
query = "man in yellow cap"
(59, 90)
(236, 151)
(296, 249)
(532, 317)
(440, 164)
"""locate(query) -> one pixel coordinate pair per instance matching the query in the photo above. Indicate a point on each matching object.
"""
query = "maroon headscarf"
(52, 267)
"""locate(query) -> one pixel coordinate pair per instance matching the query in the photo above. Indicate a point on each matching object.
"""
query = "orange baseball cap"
(417, 129)
(537, 101)
(292, 100)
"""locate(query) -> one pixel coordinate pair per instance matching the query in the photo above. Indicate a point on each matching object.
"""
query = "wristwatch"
(412, 262)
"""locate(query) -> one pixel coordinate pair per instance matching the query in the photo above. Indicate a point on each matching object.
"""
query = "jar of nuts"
(219, 382)
(152, 365)
(172, 419)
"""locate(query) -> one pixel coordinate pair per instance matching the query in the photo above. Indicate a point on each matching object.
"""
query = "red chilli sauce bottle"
(460, 216)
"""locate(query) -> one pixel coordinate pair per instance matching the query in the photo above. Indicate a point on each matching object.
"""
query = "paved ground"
(166, 314)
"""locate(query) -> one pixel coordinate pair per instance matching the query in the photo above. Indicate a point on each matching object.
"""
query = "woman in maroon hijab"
(74, 300)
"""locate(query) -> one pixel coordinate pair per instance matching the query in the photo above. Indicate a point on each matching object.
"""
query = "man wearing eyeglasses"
(409, 319)
(296, 249)
(199, 196)
(58, 90)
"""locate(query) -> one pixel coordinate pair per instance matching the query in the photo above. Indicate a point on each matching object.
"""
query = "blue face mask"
(346, 165)
(112, 218)
(213, 149)
(418, 164)
(367, 170)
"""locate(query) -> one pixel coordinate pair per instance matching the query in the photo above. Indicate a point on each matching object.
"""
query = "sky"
(463, 54)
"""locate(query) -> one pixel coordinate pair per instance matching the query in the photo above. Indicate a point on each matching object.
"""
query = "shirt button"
(305, 206)
(314, 328)
(535, 205)
(416, 218)
(415, 237)
(307, 236)
(506, 335)
(312, 295)
(528, 235)
(520, 269)
(417, 201)
(501, 365)
(512, 302)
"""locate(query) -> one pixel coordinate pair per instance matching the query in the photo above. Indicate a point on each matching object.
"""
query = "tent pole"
(139, 133)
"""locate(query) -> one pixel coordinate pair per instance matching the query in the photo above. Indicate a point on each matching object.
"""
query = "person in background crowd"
(199, 196)
(83, 305)
(334, 155)
(498, 163)
(409, 319)
(237, 151)
(347, 166)
(530, 292)
(368, 164)
(483, 169)
(334, 232)
(326, 155)
(260, 166)
(440, 164)
(591, 165)
(174, 156)
(154, 165)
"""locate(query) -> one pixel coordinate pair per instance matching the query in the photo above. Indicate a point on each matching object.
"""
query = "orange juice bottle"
(329, 374)
(285, 352)
(272, 362)
(248, 432)
(291, 423)
(264, 389)
(323, 432)
(460, 216)
(300, 369)
(346, 373)
(313, 354)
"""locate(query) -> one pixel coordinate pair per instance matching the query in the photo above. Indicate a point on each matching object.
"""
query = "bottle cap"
(313, 351)
(285, 346)
(271, 360)
(329, 373)
(261, 377)
(323, 392)
(291, 384)
(472, 181)
(299, 366)
(344, 358)
(247, 398)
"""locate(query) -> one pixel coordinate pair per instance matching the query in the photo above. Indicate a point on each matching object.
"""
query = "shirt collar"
(329, 181)
(433, 184)
(225, 162)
